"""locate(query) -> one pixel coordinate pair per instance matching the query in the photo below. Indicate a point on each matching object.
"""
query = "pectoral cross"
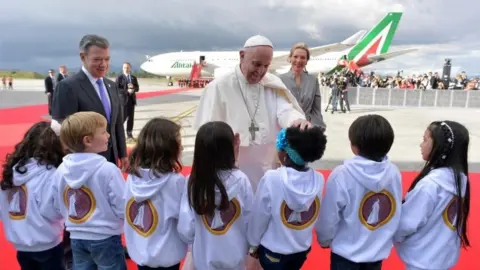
(252, 130)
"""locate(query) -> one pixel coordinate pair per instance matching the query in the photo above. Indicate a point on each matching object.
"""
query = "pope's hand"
(130, 90)
(303, 124)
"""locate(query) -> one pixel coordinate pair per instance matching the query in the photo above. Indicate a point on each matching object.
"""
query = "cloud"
(38, 36)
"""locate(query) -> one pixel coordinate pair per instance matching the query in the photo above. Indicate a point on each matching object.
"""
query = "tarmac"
(409, 125)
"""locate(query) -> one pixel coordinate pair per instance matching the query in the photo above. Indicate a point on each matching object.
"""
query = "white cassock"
(269, 103)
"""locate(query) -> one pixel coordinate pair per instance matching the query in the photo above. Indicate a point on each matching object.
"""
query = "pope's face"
(255, 62)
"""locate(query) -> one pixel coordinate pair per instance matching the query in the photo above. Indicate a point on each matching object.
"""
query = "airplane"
(179, 64)
(360, 48)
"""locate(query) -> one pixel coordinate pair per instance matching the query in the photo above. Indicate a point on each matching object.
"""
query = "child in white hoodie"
(217, 202)
(433, 226)
(287, 202)
(27, 177)
(153, 193)
(89, 192)
(362, 204)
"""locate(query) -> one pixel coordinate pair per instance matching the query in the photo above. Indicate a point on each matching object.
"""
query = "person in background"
(304, 87)
(50, 83)
(10, 82)
(4, 83)
(128, 86)
(62, 73)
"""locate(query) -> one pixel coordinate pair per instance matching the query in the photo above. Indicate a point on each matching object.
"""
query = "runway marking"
(175, 118)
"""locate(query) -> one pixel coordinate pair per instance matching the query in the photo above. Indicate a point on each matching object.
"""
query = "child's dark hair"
(39, 142)
(310, 144)
(157, 149)
(372, 135)
(450, 150)
(214, 152)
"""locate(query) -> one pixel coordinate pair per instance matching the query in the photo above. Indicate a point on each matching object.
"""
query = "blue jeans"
(339, 263)
(273, 261)
(51, 259)
(106, 254)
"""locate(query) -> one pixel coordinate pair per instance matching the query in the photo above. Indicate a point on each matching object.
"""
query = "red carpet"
(15, 121)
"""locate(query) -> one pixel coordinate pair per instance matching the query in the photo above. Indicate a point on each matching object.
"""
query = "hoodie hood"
(232, 182)
(372, 175)
(148, 185)
(445, 178)
(300, 188)
(78, 168)
(33, 169)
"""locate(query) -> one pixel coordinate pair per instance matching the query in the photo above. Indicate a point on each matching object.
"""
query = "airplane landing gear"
(170, 83)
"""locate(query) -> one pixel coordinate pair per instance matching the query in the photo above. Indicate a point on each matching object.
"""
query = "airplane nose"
(144, 67)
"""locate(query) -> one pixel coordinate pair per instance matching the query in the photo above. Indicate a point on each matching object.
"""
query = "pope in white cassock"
(255, 103)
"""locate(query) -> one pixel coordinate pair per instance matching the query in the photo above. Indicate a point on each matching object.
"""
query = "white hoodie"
(223, 244)
(428, 239)
(88, 192)
(151, 215)
(24, 223)
(361, 209)
(285, 210)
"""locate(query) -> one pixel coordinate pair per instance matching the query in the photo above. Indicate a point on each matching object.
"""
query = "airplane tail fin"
(377, 41)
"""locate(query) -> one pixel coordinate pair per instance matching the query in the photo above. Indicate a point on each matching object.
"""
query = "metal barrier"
(365, 96)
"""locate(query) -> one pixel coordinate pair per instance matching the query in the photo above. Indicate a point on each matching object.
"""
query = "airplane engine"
(218, 72)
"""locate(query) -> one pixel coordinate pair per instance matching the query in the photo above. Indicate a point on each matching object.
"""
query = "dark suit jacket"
(60, 77)
(48, 85)
(434, 82)
(122, 85)
(77, 94)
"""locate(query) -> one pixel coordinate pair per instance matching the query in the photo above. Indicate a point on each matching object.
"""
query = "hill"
(21, 74)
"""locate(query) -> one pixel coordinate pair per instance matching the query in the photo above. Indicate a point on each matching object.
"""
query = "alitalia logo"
(179, 64)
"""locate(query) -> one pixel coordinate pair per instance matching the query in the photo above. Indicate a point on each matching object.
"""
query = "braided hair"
(450, 150)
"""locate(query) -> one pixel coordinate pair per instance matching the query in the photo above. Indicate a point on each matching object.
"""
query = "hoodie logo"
(142, 217)
(221, 221)
(299, 220)
(376, 209)
(450, 214)
(17, 202)
(80, 204)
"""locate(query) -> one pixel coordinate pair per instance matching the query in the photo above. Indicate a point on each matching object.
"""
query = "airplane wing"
(385, 56)
(281, 60)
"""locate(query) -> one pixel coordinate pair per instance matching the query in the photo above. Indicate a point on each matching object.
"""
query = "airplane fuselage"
(179, 64)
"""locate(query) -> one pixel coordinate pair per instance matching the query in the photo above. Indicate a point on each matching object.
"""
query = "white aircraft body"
(361, 49)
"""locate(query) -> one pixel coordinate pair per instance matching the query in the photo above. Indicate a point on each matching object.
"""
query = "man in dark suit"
(89, 90)
(49, 87)
(62, 73)
(127, 84)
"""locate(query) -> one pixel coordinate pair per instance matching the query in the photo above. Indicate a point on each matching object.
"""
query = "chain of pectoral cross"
(252, 128)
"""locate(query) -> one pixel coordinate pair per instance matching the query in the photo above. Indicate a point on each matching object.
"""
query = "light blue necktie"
(103, 96)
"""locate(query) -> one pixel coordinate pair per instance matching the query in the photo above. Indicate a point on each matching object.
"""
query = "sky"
(42, 34)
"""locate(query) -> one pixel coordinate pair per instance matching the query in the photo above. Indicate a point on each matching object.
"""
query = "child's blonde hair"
(78, 125)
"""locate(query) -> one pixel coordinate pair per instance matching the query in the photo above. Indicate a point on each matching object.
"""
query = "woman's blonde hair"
(302, 46)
